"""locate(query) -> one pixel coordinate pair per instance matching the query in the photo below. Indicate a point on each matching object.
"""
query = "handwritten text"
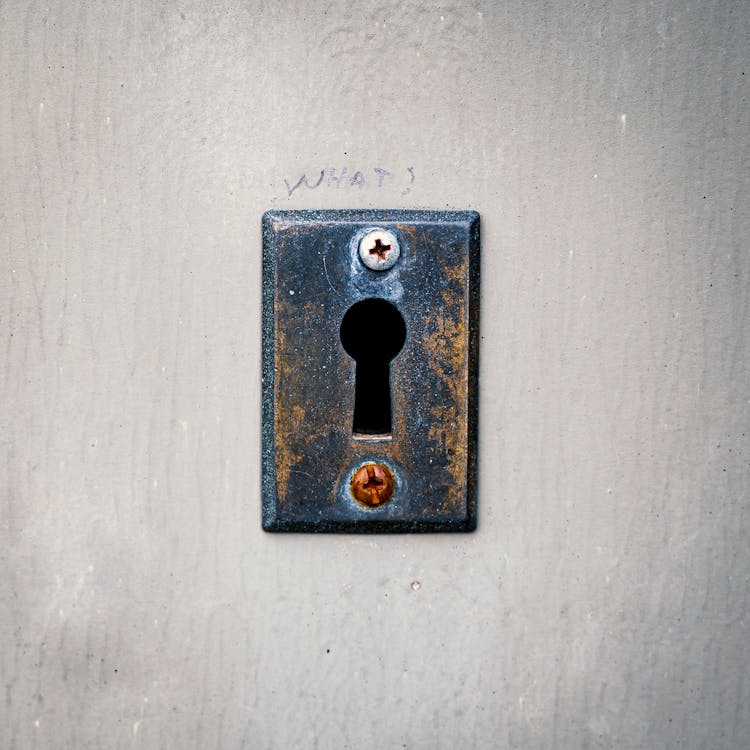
(377, 178)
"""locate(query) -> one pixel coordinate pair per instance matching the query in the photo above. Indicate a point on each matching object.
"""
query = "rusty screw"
(379, 249)
(372, 484)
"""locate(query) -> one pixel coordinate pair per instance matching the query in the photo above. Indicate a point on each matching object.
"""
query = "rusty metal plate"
(370, 372)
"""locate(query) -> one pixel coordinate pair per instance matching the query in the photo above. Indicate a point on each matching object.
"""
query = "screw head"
(379, 249)
(372, 484)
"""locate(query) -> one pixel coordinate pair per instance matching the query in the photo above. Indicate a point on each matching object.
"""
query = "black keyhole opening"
(372, 333)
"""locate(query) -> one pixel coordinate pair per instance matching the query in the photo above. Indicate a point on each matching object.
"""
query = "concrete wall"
(603, 601)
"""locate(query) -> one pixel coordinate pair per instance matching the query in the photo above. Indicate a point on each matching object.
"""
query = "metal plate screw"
(379, 249)
(372, 484)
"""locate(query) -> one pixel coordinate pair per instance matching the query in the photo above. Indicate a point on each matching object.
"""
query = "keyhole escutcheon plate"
(370, 365)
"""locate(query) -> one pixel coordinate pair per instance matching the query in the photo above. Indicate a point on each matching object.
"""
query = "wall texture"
(603, 601)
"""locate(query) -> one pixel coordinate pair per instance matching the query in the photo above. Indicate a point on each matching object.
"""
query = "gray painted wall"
(603, 602)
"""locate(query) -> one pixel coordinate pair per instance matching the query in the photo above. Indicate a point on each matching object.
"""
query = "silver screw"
(379, 249)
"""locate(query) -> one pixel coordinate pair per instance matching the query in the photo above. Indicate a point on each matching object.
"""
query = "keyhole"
(372, 333)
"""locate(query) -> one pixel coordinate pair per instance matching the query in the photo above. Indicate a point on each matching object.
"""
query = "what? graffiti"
(377, 177)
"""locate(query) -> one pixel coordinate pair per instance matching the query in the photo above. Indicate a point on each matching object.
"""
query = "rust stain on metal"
(446, 353)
